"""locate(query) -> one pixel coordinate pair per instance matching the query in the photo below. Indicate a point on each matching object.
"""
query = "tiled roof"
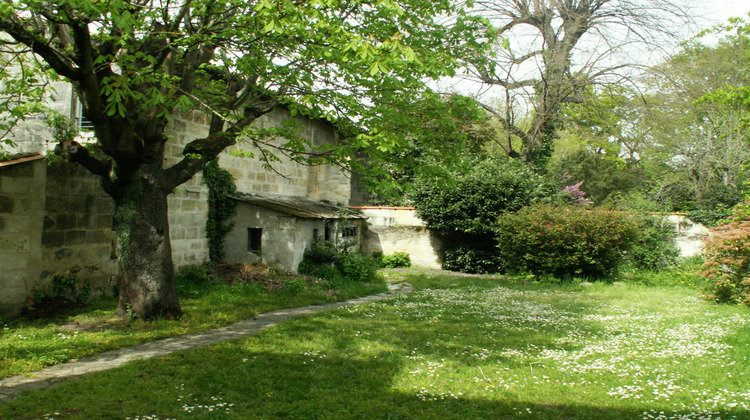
(299, 206)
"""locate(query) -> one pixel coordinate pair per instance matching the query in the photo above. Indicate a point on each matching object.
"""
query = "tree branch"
(58, 61)
(75, 152)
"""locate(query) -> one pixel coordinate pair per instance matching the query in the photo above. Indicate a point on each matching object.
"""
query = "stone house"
(55, 219)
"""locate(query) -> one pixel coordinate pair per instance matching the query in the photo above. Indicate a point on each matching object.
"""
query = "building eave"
(299, 206)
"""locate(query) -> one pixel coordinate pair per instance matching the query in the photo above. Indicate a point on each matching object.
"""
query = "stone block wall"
(77, 235)
(57, 219)
(34, 136)
(21, 214)
(398, 229)
(188, 208)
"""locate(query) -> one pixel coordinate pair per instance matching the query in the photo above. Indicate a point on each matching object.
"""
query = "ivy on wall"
(220, 208)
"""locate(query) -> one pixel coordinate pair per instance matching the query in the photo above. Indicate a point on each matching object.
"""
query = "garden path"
(12, 387)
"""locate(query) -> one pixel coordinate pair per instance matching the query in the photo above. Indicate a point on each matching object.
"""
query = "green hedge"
(566, 241)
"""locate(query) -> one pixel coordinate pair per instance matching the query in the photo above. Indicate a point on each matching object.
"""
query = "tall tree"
(134, 63)
(550, 51)
(698, 131)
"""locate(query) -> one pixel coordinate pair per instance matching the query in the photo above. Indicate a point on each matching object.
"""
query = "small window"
(82, 123)
(315, 235)
(349, 232)
(327, 236)
(254, 236)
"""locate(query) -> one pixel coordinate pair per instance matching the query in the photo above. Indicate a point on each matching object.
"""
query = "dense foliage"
(654, 248)
(464, 208)
(398, 259)
(566, 241)
(221, 206)
(323, 259)
(471, 201)
(727, 258)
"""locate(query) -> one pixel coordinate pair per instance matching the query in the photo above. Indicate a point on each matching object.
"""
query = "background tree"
(552, 51)
(439, 133)
(135, 63)
(601, 144)
(697, 145)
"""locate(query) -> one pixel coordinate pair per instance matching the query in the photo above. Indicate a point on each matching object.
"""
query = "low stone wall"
(394, 229)
(398, 229)
(690, 236)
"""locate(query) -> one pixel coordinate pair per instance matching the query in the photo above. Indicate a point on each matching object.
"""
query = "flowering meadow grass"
(457, 348)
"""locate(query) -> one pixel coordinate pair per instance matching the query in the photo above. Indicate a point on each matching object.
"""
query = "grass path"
(457, 348)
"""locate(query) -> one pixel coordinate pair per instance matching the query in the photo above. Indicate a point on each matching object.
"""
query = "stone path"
(12, 387)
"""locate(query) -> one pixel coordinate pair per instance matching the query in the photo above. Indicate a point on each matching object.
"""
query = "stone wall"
(394, 229)
(57, 219)
(690, 235)
(77, 236)
(398, 229)
(21, 214)
(188, 208)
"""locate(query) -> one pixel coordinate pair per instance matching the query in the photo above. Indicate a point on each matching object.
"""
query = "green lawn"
(457, 348)
(27, 346)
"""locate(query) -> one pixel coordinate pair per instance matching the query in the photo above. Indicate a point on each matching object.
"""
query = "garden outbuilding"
(276, 229)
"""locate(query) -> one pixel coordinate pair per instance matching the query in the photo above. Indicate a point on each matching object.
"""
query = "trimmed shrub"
(727, 263)
(195, 274)
(565, 241)
(464, 208)
(471, 202)
(709, 218)
(357, 267)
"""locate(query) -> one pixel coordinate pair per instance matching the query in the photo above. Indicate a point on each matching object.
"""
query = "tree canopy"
(549, 53)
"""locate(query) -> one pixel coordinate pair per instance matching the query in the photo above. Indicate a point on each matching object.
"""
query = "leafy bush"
(654, 248)
(195, 274)
(474, 256)
(320, 253)
(565, 241)
(294, 286)
(70, 287)
(727, 266)
(65, 294)
(709, 218)
(396, 260)
(684, 273)
(471, 202)
(357, 267)
(322, 259)
(465, 208)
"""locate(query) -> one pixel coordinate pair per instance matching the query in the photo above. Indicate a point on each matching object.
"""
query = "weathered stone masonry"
(56, 219)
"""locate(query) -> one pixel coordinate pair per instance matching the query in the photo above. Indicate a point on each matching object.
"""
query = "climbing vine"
(220, 208)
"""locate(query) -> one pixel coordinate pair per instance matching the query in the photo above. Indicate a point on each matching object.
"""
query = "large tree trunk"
(147, 288)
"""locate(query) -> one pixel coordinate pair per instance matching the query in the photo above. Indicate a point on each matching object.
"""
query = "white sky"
(719, 11)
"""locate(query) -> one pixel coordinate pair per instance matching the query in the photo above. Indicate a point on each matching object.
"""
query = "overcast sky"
(721, 10)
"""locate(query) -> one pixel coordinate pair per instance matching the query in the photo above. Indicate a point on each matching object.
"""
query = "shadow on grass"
(217, 383)
(352, 363)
